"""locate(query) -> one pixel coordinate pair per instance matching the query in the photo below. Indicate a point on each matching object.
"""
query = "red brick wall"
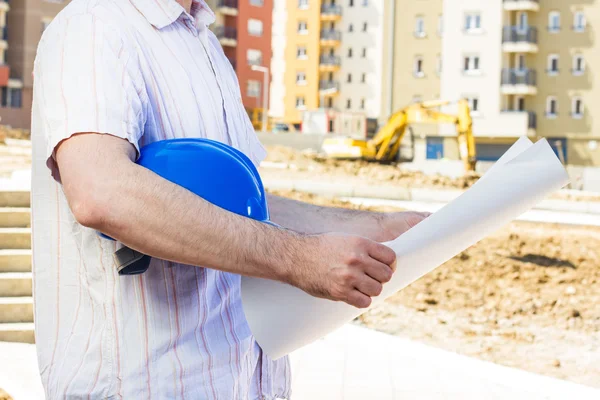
(246, 41)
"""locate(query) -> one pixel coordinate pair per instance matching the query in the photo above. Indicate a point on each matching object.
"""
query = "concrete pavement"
(356, 363)
(535, 215)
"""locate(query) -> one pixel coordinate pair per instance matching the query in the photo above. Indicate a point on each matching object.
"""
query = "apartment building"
(22, 23)
(244, 30)
(362, 57)
(327, 55)
(5, 83)
(526, 67)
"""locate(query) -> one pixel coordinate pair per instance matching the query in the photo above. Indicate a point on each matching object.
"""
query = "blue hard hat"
(220, 174)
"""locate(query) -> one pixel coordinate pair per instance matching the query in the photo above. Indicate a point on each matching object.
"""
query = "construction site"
(389, 106)
(524, 297)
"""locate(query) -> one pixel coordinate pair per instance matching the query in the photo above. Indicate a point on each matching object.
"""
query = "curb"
(425, 195)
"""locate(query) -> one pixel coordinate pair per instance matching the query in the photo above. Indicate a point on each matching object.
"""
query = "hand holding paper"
(284, 318)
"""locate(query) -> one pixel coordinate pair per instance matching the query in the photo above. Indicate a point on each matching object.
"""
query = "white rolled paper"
(283, 318)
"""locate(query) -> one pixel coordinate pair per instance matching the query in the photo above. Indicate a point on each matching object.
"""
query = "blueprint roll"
(283, 318)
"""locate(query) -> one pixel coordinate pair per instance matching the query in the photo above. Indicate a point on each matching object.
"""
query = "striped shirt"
(141, 70)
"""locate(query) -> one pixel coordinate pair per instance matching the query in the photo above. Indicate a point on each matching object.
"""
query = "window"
(554, 21)
(440, 27)
(521, 62)
(420, 27)
(523, 21)
(418, 67)
(365, 3)
(350, 28)
(257, 3)
(348, 104)
(300, 102)
(349, 78)
(351, 3)
(301, 78)
(551, 107)
(472, 22)
(253, 88)
(255, 27)
(473, 104)
(579, 22)
(576, 108)
(578, 64)
(254, 57)
(471, 64)
(11, 97)
(363, 78)
(302, 4)
(552, 64)
(349, 52)
(364, 52)
(520, 103)
(362, 104)
(302, 27)
(365, 27)
(301, 53)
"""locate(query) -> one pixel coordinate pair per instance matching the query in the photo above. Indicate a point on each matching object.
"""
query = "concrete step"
(16, 309)
(14, 198)
(17, 332)
(15, 217)
(15, 238)
(15, 284)
(15, 260)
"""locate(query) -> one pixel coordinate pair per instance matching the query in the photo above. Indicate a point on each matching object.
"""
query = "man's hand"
(344, 268)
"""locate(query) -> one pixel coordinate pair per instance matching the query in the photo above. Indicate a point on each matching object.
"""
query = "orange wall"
(246, 41)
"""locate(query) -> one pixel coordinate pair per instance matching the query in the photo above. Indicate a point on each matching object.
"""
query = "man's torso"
(176, 331)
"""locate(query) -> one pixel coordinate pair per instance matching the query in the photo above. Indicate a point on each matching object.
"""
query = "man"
(111, 76)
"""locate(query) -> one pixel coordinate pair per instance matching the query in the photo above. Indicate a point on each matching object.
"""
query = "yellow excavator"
(385, 145)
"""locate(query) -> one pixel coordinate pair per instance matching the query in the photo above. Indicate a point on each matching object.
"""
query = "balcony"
(329, 63)
(227, 35)
(521, 5)
(330, 37)
(228, 7)
(518, 81)
(329, 88)
(519, 40)
(331, 12)
(517, 123)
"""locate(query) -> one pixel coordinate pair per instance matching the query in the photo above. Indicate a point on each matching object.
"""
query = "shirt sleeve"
(87, 80)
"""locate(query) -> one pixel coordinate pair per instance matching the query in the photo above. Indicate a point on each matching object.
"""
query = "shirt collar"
(161, 13)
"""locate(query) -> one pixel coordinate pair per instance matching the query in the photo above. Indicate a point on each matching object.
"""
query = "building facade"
(526, 67)
(362, 57)
(25, 21)
(244, 30)
(327, 56)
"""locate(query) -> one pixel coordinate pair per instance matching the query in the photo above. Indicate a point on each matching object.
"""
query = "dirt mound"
(4, 395)
(6, 132)
(369, 171)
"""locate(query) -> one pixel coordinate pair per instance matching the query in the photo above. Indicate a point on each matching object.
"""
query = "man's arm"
(108, 192)
(312, 219)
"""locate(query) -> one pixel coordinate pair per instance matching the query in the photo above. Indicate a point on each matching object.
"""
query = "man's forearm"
(312, 219)
(156, 217)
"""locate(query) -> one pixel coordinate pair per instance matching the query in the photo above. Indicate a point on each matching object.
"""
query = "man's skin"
(107, 191)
